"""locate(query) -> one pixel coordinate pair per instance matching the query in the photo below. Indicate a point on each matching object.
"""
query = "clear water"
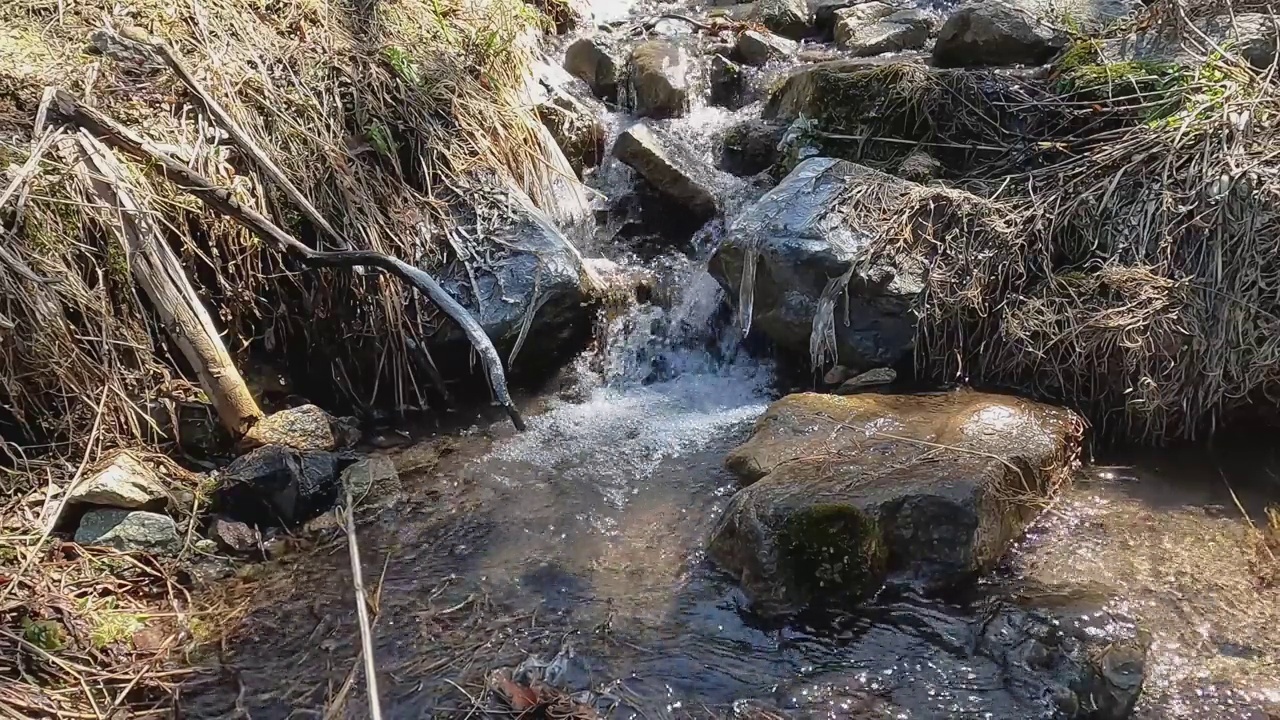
(587, 533)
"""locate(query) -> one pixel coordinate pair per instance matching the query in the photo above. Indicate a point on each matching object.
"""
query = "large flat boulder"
(903, 30)
(808, 240)
(846, 493)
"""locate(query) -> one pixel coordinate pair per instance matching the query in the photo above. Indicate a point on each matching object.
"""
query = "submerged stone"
(751, 147)
(728, 83)
(846, 493)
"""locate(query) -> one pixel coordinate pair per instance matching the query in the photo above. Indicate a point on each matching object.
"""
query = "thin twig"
(362, 613)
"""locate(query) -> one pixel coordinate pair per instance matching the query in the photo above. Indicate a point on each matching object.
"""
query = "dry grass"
(1129, 269)
(379, 112)
(383, 113)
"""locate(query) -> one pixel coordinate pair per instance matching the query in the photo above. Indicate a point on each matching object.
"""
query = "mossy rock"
(846, 493)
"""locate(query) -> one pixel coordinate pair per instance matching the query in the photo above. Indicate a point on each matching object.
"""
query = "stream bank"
(766, 172)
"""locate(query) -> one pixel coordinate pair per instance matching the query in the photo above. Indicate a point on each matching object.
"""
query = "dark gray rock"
(524, 265)
(996, 32)
(594, 60)
(1250, 35)
(751, 147)
(758, 48)
(658, 79)
(903, 30)
(276, 485)
(233, 535)
(788, 18)
(807, 233)
(130, 531)
(576, 121)
(834, 508)
(669, 167)
(728, 83)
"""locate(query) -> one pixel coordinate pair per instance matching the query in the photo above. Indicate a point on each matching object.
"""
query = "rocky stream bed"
(683, 531)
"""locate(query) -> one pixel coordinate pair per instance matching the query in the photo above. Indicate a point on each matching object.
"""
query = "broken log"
(159, 273)
(220, 199)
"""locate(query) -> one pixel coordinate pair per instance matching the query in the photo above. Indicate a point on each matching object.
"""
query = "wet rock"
(376, 471)
(751, 147)
(577, 124)
(728, 83)
(346, 431)
(276, 485)
(868, 379)
(130, 531)
(233, 535)
(526, 265)
(1250, 35)
(836, 375)
(788, 18)
(658, 79)
(125, 481)
(835, 507)
(919, 167)
(903, 30)
(594, 60)
(305, 427)
(669, 167)
(824, 14)
(1090, 662)
(848, 18)
(803, 234)
(996, 32)
(758, 48)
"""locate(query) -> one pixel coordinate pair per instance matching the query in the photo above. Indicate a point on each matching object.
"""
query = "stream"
(577, 549)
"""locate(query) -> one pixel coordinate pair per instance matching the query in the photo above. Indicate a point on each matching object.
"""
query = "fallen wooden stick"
(362, 611)
(219, 198)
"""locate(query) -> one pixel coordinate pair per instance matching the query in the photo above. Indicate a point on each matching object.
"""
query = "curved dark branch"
(218, 198)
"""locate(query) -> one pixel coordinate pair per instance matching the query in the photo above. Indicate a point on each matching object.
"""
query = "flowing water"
(577, 548)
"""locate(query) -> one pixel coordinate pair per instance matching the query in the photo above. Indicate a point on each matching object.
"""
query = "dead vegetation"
(1129, 268)
(383, 115)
